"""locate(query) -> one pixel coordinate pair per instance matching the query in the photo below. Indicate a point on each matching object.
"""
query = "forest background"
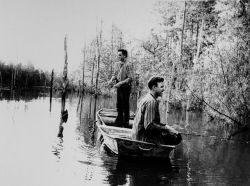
(201, 48)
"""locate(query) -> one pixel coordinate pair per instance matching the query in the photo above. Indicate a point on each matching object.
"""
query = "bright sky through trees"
(32, 31)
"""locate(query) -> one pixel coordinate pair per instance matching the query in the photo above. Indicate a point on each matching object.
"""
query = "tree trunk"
(112, 51)
(65, 79)
(1, 81)
(64, 90)
(14, 81)
(11, 83)
(175, 63)
(197, 33)
(92, 72)
(83, 68)
(51, 89)
(97, 74)
(194, 62)
(183, 28)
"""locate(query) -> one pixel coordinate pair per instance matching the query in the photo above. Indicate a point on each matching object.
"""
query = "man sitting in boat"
(147, 126)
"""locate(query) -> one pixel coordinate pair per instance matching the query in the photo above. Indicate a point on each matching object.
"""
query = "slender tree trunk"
(197, 33)
(192, 30)
(171, 42)
(45, 84)
(82, 90)
(1, 80)
(182, 41)
(99, 45)
(64, 90)
(92, 72)
(51, 89)
(112, 51)
(14, 81)
(80, 96)
(65, 78)
(183, 29)
(97, 74)
(11, 83)
(83, 69)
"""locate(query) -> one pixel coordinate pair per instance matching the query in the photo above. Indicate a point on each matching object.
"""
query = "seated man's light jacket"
(147, 113)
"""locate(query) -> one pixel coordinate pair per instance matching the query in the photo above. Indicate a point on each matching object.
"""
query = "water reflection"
(212, 161)
(64, 115)
(197, 160)
(19, 95)
(122, 171)
(86, 115)
(28, 136)
(58, 148)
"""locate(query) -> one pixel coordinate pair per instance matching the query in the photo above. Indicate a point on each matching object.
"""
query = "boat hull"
(138, 149)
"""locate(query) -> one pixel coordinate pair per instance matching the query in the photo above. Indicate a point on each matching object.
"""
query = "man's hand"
(117, 85)
(171, 130)
(110, 82)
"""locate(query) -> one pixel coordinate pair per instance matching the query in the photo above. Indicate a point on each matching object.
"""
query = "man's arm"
(171, 129)
(111, 80)
(162, 128)
(125, 81)
(129, 78)
(114, 75)
(157, 126)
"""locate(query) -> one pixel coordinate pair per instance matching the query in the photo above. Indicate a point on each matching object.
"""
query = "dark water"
(32, 154)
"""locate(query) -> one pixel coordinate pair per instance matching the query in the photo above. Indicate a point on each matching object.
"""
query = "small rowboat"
(120, 142)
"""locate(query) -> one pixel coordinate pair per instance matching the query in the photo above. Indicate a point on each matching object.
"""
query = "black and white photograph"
(124, 92)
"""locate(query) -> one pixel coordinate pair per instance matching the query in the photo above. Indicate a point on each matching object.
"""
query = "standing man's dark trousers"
(122, 105)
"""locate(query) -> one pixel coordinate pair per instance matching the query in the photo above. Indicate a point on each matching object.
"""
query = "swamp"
(55, 64)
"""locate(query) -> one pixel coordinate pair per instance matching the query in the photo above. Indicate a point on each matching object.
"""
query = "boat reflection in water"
(136, 171)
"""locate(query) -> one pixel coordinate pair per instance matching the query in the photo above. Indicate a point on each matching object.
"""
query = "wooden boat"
(119, 140)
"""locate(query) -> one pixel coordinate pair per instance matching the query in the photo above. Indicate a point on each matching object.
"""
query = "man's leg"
(126, 93)
(119, 118)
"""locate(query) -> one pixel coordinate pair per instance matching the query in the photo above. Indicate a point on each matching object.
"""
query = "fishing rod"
(214, 137)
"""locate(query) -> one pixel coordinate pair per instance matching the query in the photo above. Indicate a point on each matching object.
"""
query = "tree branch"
(235, 121)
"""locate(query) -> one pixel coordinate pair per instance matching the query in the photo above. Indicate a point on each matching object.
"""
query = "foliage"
(201, 48)
(22, 77)
(226, 70)
(217, 74)
(18, 77)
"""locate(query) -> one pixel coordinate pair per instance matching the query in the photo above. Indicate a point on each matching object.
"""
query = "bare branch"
(232, 119)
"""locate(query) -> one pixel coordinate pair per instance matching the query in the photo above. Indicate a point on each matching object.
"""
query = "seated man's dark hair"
(154, 80)
(124, 52)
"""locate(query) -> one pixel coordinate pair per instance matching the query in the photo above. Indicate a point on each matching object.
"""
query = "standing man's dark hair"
(124, 52)
(154, 80)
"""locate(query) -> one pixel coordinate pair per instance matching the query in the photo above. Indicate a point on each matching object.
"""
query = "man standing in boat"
(122, 79)
(147, 126)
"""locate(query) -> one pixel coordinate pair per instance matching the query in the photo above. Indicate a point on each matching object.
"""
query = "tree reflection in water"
(58, 148)
(86, 114)
(123, 171)
(197, 160)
